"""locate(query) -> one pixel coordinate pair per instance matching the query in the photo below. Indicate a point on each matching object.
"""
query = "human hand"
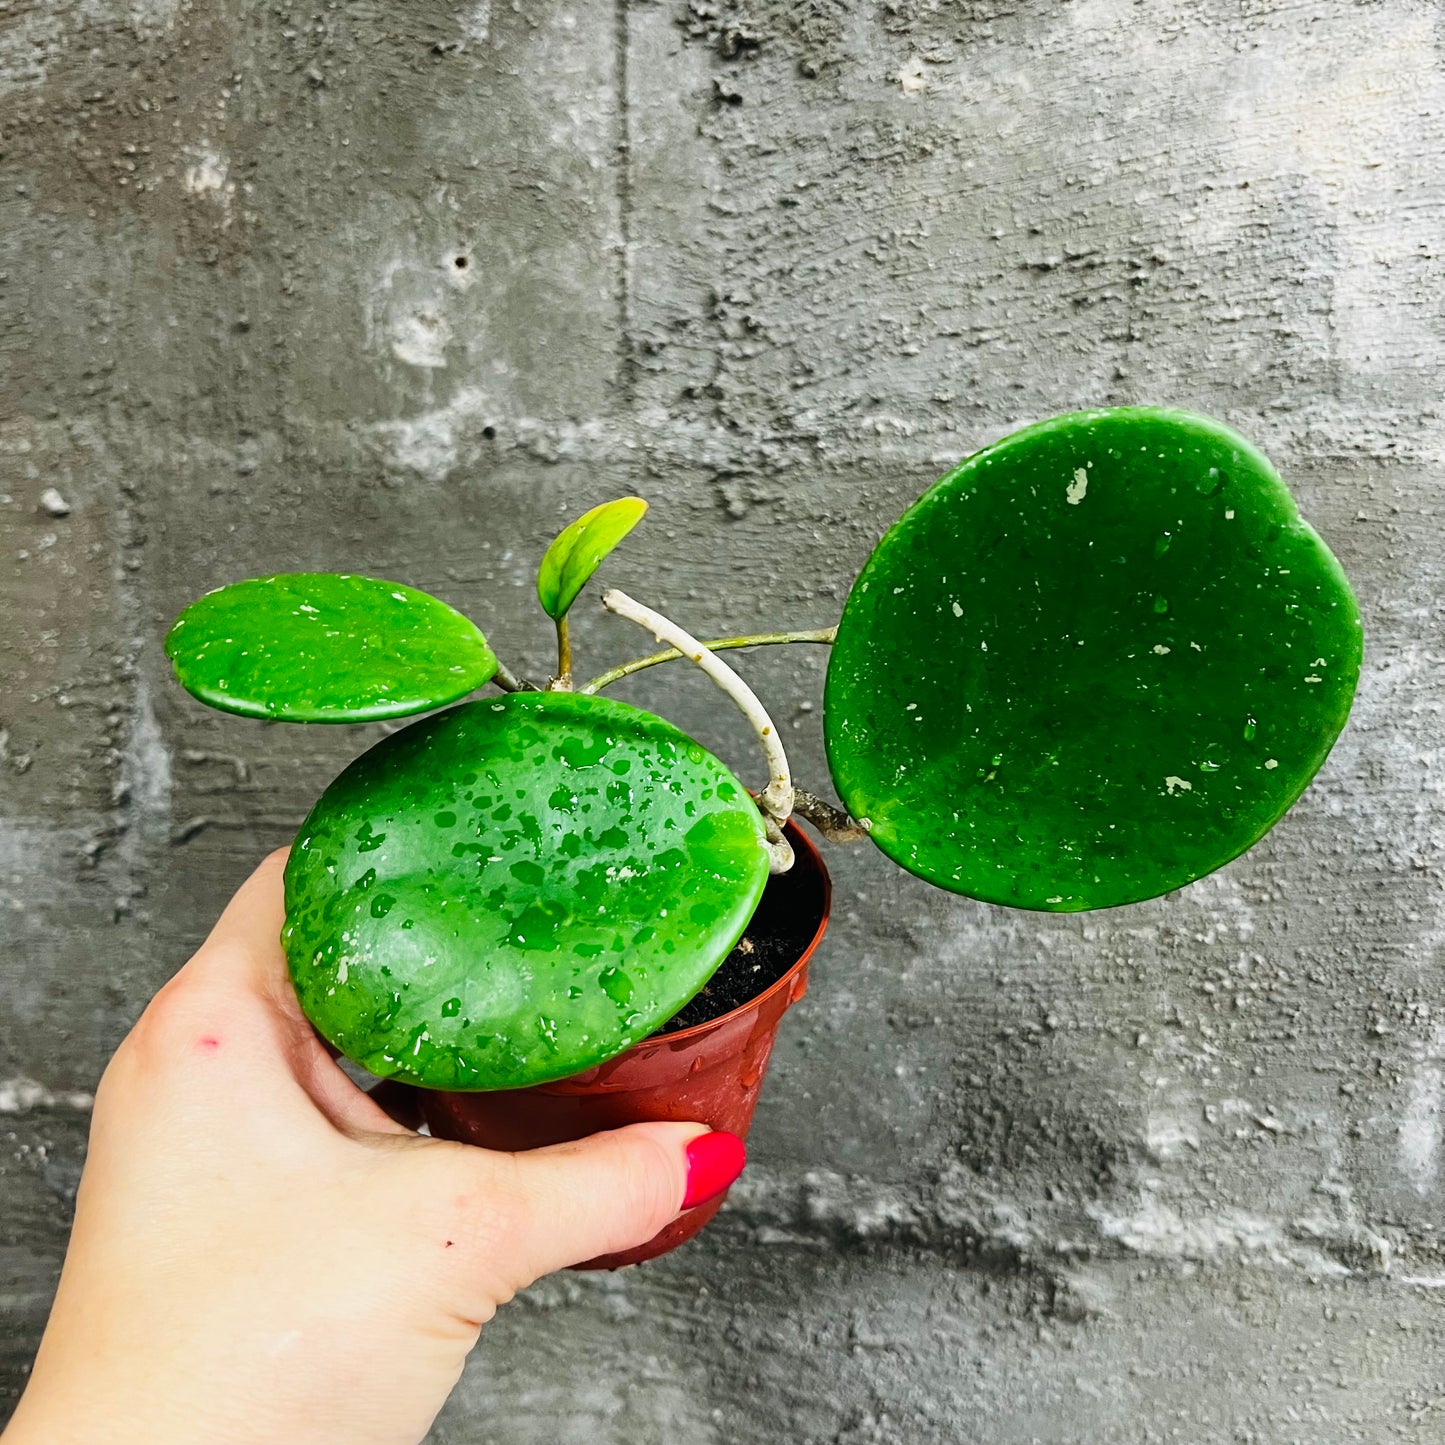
(260, 1253)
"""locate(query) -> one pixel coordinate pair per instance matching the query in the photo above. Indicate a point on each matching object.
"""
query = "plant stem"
(563, 681)
(833, 823)
(824, 635)
(776, 800)
(780, 851)
(508, 680)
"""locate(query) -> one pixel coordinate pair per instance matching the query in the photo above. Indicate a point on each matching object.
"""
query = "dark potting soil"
(783, 925)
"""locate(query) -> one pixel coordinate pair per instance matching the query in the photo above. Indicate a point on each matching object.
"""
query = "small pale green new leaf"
(579, 550)
(326, 647)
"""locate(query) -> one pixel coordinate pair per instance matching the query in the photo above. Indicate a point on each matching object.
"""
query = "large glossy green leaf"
(579, 550)
(1096, 661)
(326, 647)
(515, 890)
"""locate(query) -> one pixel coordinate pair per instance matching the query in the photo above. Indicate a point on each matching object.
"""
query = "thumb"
(613, 1191)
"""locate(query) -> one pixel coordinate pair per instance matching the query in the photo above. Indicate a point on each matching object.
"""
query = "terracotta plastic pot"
(712, 1072)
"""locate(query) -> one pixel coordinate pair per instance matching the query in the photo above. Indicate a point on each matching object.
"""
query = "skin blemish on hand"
(208, 1043)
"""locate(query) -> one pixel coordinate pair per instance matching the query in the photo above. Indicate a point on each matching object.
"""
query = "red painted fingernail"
(713, 1162)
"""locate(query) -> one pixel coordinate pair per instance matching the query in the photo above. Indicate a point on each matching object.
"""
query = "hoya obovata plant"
(1096, 661)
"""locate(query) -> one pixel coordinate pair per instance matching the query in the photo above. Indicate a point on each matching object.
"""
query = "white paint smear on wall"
(20, 1096)
(205, 171)
(477, 22)
(408, 314)
(1420, 1124)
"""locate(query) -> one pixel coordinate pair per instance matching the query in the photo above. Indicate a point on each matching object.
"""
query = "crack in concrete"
(626, 203)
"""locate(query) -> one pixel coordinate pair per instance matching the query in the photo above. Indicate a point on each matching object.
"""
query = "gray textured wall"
(1170, 1173)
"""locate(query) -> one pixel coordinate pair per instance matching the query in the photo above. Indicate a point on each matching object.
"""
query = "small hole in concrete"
(489, 432)
(461, 263)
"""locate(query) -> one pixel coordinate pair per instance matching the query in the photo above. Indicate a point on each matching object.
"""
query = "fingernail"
(713, 1162)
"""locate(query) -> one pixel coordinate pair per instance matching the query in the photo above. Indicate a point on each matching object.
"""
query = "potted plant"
(1096, 661)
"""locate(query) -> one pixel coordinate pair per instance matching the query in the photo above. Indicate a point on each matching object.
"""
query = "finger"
(242, 963)
(247, 936)
(242, 955)
(612, 1192)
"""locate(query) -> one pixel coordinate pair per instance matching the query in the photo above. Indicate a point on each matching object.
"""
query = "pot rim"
(811, 947)
(796, 837)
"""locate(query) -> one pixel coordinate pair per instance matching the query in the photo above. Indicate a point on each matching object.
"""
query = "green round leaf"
(1096, 661)
(515, 890)
(579, 549)
(326, 647)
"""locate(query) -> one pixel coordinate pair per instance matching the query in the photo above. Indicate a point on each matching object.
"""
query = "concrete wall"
(1169, 1173)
